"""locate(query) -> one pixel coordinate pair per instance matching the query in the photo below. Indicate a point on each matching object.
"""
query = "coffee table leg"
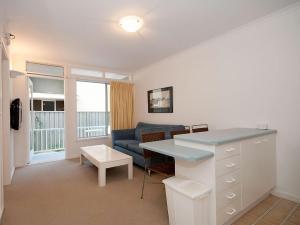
(130, 170)
(101, 176)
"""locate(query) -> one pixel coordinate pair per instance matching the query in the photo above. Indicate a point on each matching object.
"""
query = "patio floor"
(47, 157)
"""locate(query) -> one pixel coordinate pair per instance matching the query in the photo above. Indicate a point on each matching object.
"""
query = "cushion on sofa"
(125, 143)
(135, 148)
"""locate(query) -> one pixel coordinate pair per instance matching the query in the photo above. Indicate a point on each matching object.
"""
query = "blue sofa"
(127, 140)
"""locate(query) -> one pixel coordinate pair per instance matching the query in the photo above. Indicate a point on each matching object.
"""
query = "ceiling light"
(131, 23)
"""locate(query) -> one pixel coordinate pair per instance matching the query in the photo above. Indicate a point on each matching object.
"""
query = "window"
(48, 106)
(115, 76)
(85, 72)
(37, 105)
(92, 109)
(98, 74)
(60, 105)
(44, 69)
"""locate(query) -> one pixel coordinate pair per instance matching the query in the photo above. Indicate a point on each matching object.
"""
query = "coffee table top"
(103, 153)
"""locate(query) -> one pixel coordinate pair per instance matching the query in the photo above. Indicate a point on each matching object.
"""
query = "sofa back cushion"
(143, 128)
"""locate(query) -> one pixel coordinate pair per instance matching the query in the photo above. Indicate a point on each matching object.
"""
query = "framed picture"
(160, 100)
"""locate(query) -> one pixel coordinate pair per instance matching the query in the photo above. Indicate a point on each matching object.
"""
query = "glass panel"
(116, 76)
(60, 106)
(50, 70)
(48, 106)
(47, 86)
(84, 72)
(37, 105)
(91, 109)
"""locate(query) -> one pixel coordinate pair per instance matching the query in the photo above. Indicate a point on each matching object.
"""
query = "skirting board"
(72, 156)
(12, 174)
(285, 195)
(8, 180)
(1, 215)
(274, 192)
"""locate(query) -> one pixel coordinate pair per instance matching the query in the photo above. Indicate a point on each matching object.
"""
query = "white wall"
(1, 119)
(21, 136)
(8, 156)
(244, 77)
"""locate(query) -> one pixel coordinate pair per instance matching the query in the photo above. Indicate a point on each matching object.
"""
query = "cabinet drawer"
(228, 150)
(226, 213)
(228, 196)
(228, 180)
(227, 165)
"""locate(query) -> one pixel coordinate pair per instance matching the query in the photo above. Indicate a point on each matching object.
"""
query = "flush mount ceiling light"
(131, 23)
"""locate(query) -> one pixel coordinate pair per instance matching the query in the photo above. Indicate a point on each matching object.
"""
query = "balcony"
(47, 133)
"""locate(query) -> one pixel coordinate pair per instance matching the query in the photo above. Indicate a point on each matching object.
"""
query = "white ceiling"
(86, 32)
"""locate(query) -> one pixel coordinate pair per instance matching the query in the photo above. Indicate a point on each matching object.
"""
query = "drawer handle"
(231, 211)
(230, 150)
(230, 195)
(230, 165)
(257, 142)
(230, 181)
(265, 140)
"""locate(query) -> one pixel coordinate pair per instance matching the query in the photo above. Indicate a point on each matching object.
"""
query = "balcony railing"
(50, 139)
(48, 132)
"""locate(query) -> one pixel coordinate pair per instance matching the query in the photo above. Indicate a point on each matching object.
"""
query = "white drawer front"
(224, 198)
(228, 180)
(228, 150)
(226, 213)
(227, 165)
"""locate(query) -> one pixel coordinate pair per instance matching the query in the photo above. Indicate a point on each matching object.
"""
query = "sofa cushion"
(125, 143)
(135, 148)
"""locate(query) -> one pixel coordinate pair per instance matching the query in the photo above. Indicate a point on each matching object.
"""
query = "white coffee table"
(104, 157)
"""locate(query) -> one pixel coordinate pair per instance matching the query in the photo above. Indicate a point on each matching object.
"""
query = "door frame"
(32, 75)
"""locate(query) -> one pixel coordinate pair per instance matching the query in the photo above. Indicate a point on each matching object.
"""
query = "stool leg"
(143, 186)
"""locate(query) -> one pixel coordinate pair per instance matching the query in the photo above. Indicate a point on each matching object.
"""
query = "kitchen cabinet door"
(258, 168)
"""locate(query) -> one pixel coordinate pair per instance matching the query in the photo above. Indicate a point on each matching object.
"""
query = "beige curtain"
(121, 105)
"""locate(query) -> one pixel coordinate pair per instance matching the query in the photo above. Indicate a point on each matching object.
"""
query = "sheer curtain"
(121, 103)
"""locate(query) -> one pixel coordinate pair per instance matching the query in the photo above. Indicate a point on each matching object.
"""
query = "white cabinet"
(228, 187)
(251, 163)
(240, 173)
(258, 168)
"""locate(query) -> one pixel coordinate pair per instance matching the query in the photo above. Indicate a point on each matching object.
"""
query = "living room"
(149, 71)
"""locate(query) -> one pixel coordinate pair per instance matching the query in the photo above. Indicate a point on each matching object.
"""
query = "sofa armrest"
(124, 134)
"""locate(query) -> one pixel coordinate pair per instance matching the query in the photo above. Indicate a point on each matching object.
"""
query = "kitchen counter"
(239, 164)
(168, 147)
(218, 137)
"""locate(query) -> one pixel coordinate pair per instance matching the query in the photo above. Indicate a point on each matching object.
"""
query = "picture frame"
(160, 100)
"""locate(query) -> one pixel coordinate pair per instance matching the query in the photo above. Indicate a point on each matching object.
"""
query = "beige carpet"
(66, 193)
